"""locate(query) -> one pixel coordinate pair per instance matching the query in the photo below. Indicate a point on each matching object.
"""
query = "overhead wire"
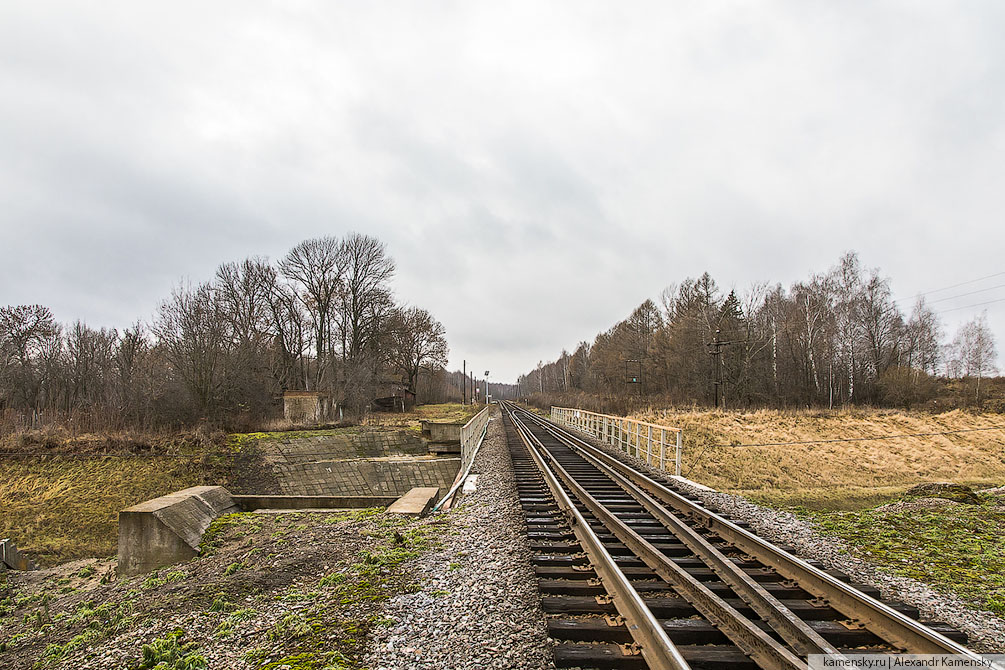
(946, 288)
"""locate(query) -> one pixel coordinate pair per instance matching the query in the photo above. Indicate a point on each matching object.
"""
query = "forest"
(322, 318)
(837, 339)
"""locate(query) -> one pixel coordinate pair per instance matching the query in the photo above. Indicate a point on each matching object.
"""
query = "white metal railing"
(471, 434)
(648, 441)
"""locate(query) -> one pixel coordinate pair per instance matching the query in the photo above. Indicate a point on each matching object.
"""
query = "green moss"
(956, 548)
(237, 525)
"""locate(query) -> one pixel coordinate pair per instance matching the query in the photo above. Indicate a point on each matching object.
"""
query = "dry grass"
(841, 475)
(58, 508)
(450, 412)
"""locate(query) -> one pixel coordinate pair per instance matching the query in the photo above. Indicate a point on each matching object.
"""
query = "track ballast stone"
(479, 605)
(985, 630)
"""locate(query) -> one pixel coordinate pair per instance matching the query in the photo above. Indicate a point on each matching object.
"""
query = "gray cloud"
(580, 155)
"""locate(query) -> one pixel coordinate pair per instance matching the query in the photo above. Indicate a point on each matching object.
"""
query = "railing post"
(649, 444)
(663, 448)
(677, 459)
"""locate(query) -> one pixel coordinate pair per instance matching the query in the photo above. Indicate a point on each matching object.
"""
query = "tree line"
(837, 338)
(322, 318)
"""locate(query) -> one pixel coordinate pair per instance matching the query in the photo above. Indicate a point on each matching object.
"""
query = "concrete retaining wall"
(251, 503)
(11, 558)
(442, 432)
(367, 443)
(168, 529)
(365, 477)
(358, 462)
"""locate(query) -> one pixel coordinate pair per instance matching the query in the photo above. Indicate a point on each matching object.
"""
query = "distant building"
(307, 406)
(393, 397)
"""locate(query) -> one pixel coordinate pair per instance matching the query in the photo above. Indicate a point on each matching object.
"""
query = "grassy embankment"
(837, 475)
(845, 487)
(60, 494)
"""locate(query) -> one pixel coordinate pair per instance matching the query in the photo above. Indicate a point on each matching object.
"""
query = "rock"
(955, 492)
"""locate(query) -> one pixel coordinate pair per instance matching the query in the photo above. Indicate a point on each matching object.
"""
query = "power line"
(961, 295)
(946, 288)
(980, 304)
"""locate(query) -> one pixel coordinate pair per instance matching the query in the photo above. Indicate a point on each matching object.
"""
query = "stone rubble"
(479, 606)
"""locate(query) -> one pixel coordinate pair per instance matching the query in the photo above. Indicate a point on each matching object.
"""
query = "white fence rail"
(471, 435)
(648, 441)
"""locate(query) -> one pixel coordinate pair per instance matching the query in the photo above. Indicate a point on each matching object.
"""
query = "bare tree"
(364, 297)
(28, 334)
(974, 352)
(317, 269)
(191, 330)
(419, 341)
(923, 334)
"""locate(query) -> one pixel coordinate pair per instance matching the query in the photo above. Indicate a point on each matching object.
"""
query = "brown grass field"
(838, 475)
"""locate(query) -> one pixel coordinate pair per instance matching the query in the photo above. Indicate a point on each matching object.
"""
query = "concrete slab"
(257, 503)
(168, 529)
(12, 558)
(470, 484)
(417, 502)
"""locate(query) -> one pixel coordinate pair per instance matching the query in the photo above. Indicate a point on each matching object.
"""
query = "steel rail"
(758, 645)
(796, 632)
(888, 624)
(659, 652)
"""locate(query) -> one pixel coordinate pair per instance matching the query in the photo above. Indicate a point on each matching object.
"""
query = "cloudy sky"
(537, 169)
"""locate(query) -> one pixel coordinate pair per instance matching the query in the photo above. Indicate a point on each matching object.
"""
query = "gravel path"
(479, 606)
(986, 631)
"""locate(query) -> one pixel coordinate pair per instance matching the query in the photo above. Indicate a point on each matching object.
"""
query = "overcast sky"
(536, 169)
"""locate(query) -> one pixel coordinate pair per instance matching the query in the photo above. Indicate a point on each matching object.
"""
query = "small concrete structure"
(307, 406)
(437, 431)
(11, 558)
(417, 502)
(168, 529)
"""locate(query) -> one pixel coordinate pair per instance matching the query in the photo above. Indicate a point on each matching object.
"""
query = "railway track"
(633, 574)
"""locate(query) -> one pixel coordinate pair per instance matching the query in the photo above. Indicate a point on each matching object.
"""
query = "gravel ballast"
(479, 605)
(986, 631)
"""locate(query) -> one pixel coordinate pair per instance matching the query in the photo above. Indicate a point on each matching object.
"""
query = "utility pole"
(464, 384)
(716, 354)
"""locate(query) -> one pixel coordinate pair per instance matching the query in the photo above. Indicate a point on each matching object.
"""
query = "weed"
(290, 626)
(332, 579)
(153, 581)
(221, 604)
(233, 568)
(170, 653)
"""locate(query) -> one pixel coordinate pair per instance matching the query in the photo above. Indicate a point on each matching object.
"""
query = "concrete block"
(12, 558)
(417, 502)
(168, 529)
(442, 432)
